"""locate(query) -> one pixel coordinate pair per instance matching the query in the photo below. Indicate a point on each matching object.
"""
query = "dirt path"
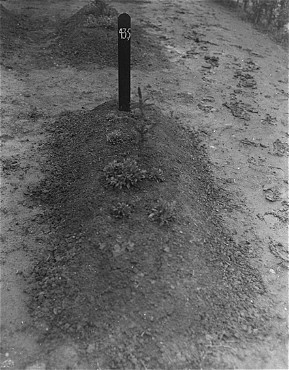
(227, 82)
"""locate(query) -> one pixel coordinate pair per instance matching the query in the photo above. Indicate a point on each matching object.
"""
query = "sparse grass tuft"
(124, 174)
(121, 210)
(164, 212)
(156, 174)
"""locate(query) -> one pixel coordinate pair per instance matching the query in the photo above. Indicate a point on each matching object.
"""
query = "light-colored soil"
(241, 120)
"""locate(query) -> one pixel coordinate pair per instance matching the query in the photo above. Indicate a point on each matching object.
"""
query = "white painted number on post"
(125, 33)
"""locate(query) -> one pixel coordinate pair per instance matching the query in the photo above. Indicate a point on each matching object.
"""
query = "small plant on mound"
(123, 174)
(114, 137)
(163, 213)
(156, 174)
(142, 124)
(121, 210)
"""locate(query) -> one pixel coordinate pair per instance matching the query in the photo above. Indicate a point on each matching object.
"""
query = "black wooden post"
(124, 36)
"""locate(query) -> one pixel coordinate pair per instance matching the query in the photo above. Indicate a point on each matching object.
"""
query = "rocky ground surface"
(188, 268)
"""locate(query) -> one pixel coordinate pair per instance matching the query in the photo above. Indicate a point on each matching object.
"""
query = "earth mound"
(90, 36)
(114, 269)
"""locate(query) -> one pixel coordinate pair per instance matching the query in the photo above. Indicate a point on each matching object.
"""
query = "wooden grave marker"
(124, 36)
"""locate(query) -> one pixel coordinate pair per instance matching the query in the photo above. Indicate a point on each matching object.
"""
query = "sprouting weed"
(164, 212)
(121, 210)
(142, 125)
(156, 174)
(124, 174)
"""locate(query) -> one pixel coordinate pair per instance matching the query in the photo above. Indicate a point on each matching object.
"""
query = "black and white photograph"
(144, 184)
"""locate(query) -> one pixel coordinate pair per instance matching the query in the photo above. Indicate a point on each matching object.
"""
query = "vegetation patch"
(163, 212)
(123, 174)
(121, 210)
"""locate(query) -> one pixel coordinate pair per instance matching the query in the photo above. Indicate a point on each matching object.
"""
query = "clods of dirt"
(280, 148)
(250, 66)
(280, 251)
(269, 120)
(212, 60)
(245, 80)
(238, 109)
(275, 191)
(282, 214)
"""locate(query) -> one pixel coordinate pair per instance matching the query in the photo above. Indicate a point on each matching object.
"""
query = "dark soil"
(103, 274)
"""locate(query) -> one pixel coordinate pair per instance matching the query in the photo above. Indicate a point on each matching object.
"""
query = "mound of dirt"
(124, 282)
(90, 36)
